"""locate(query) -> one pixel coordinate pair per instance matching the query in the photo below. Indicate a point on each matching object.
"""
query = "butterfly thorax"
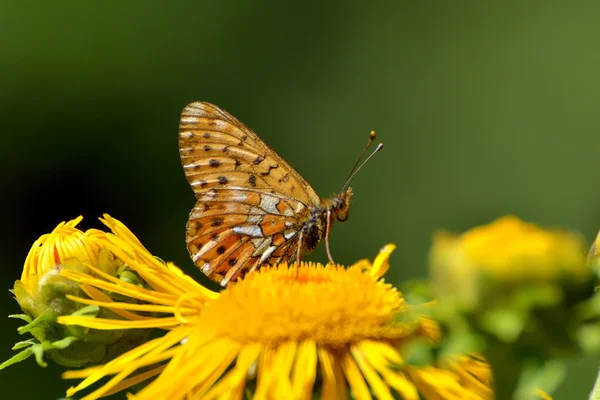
(315, 228)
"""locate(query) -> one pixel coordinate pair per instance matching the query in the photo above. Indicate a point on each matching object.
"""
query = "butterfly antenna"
(372, 136)
(354, 169)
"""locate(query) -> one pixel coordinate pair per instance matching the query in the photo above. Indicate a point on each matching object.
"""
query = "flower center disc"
(330, 305)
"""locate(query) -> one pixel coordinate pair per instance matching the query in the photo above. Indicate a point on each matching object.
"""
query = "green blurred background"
(485, 109)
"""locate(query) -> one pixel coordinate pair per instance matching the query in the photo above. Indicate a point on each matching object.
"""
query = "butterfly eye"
(342, 215)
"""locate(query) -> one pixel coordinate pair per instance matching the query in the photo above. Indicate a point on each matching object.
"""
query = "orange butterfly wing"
(251, 203)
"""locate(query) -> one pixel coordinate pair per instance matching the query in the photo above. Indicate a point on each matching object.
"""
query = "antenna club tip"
(379, 147)
(373, 134)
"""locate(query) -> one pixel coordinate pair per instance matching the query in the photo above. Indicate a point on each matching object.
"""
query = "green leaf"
(23, 355)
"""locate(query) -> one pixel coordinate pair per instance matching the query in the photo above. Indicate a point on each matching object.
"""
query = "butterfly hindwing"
(244, 234)
(241, 229)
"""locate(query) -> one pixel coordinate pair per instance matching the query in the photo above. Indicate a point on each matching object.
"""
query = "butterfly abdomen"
(313, 230)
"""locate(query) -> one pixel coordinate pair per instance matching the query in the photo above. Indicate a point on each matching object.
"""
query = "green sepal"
(36, 349)
(21, 356)
(24, 343)
(130, 277)
(87, 311)
(40, 348)
(47, 317)
(23, 317)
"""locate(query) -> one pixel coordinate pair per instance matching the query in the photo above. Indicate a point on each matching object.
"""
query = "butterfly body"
(315, 228)
(253, 209)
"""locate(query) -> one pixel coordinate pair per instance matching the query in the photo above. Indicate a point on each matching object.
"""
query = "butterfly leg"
(299, 253)
(327, 230)
(299, 249)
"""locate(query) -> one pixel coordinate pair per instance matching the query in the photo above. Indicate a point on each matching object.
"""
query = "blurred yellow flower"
(505, 252)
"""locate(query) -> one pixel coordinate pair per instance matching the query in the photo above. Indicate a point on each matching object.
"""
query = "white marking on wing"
(196, 256)
(261, 245)
(210, 195)
(248, 230)
(206, 268)
(196, 213)
(238, 196)
(196, 108)
(220, 124)
(186, 134)
(255, 219)
(299, 208)
(269, 204)
(189, 119)
(267, 254)
(191, 165)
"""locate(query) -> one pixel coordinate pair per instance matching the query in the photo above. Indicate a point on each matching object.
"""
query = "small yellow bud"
(43, 293)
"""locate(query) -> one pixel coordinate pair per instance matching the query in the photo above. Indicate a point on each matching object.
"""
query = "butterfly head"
(340, 205)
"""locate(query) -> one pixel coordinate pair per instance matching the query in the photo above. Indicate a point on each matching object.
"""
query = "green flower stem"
(506, 371)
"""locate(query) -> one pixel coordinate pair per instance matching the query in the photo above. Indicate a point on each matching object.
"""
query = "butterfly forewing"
(251, 203)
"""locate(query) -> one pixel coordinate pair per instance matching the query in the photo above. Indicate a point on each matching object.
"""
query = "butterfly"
(253, 209)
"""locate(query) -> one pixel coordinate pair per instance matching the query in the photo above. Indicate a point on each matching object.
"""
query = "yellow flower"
(283, 332)
(507, 252)
(503, 287)
(44, 294)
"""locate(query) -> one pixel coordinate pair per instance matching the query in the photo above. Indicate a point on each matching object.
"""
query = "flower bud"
(513, 280)
(44, 294)
(488, 263)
